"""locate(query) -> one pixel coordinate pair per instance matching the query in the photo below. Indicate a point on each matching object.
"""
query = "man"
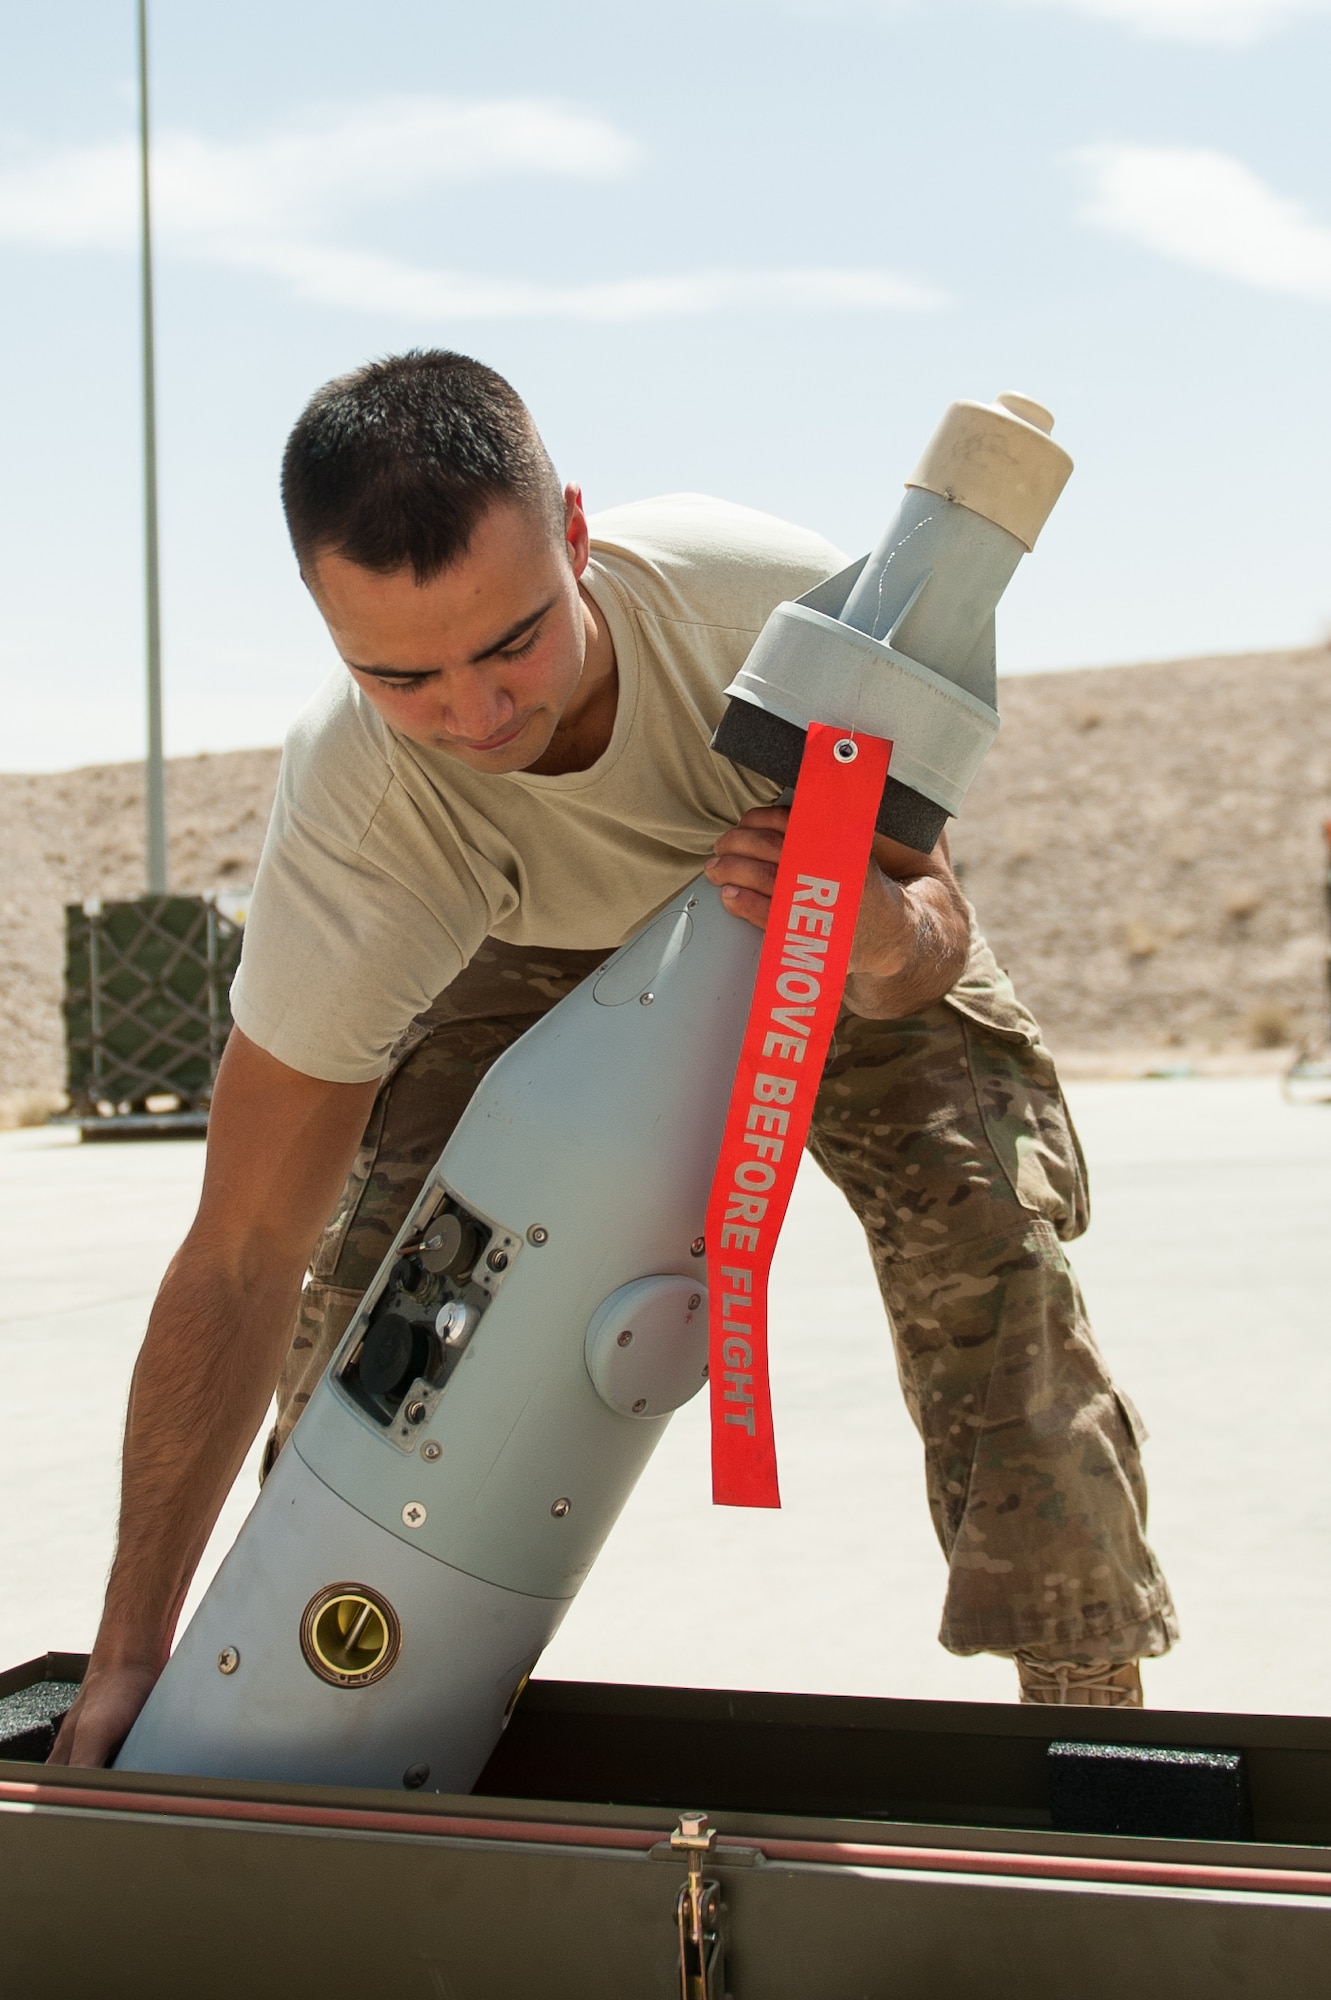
(510, 776)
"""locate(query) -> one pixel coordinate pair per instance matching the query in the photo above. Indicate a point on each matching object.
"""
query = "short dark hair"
(395, 463)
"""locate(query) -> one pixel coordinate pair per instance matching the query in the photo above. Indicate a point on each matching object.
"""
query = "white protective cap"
(999, 460)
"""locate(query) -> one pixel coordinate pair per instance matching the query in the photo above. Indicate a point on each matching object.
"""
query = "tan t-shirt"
(386, 864)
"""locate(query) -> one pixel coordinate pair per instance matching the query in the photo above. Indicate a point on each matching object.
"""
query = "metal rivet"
(646, 999)
(695, 1300)
(625, 1339)
(413, 1515)
(692, 903)
(560, 1508)
(698, 1245)
(228, 1660)
(415, 1776)
(497, 1260)
(432, 1449)
(416, 1413)
(537, 1235)
(640, 1406)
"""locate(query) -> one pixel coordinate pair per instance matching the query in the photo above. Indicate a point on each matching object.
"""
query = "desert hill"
(1144, 847)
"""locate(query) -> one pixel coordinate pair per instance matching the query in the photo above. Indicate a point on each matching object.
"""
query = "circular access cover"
(647, 1346)
(350, 1635)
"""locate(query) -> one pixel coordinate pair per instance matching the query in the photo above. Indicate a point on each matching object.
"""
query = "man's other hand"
(280, 1144)
(103, 1715)
(914, 923)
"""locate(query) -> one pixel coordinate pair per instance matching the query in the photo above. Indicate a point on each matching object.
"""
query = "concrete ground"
(1208, 1272)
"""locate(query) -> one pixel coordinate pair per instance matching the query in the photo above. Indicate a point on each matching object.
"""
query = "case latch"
(698, 1913)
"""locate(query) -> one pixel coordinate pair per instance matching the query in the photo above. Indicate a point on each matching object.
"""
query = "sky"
(745, 247)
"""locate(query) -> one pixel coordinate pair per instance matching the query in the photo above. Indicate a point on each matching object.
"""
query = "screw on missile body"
(413, 1515)
(560, 1509)
(538, 1235)
(432, 1449)
(415, 1776)
(497, 1260)
(646, 999)
(698, 1245)
(692, 903)
(640, 1406)
(416, 1413)
(695, 1300)
(228, 1660)
(624, 1339)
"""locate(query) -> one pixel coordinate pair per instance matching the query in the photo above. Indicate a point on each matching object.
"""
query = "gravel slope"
(1144, 847)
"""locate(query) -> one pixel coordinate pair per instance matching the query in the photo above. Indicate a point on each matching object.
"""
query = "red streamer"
(797, 997)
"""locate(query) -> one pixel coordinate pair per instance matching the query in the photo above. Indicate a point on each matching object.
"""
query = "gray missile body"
(543, 1309)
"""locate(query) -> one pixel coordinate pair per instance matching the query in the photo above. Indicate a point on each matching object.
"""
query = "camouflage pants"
(948, 1135)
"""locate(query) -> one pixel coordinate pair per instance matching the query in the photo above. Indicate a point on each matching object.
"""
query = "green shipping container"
(146, 1006)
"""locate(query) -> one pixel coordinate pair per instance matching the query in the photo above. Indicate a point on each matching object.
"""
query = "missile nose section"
(999, 460)
(901, 644)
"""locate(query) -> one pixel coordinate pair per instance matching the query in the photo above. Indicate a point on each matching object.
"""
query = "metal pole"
(155, 784)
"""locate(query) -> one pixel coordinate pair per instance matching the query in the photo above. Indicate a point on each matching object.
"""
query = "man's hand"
(913, 930)
(279, 1147)
(103, 1714)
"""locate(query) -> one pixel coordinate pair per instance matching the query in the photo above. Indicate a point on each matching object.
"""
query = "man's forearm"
(924, 959)
(203, 1381)
(279, 1147)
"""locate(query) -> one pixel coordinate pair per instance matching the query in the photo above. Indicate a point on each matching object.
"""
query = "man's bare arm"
(279, 1148)
(913, 931)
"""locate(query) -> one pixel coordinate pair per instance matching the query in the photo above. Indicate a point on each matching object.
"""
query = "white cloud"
(1219, 23)
(361, 279)
(278, 204)
(1224, 23)
(1207, 209)
(306, 175)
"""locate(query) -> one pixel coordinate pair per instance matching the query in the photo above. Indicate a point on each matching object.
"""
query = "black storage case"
(865, 1848)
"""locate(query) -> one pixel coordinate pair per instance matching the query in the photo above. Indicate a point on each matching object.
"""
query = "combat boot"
(1080, 1683)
